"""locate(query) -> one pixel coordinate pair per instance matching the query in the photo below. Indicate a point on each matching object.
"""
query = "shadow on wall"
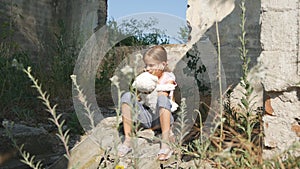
(230, 30)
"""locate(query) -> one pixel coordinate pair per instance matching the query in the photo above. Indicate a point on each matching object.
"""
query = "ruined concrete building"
(273, 33)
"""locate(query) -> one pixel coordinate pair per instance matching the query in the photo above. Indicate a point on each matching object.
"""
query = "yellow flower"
(119, 167)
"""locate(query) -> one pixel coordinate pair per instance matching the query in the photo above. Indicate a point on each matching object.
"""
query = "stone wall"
(34, 22)
(273, 34)
(279, 65)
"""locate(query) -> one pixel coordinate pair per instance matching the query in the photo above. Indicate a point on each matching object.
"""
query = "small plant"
(182, 123)
(242, 132)
(236, 142)
(62, 135)
(27, 158)
(82, 98)
(180, 131)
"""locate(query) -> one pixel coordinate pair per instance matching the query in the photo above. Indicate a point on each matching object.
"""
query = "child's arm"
(166, 84)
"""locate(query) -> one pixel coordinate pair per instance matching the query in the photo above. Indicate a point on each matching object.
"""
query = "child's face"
(153, 66)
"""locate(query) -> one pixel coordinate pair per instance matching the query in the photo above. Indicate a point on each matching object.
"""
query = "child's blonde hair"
(158, 53)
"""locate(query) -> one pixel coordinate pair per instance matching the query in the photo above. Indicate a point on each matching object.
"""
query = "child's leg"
(165, 116)
(126, 109)
(165, 123)
(127, 122)
(129, 107)
(127, 112)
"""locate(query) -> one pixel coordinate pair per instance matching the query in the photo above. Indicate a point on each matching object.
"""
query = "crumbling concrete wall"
(279, 65)
(273, 34)
(35, 22)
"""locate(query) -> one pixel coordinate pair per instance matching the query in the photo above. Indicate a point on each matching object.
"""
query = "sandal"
(164, 154)
(123, 150)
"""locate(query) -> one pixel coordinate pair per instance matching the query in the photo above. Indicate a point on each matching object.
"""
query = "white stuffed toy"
(147, 85)
(145, 82)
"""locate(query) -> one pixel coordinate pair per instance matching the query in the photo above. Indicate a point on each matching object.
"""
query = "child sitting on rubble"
(155, 104)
